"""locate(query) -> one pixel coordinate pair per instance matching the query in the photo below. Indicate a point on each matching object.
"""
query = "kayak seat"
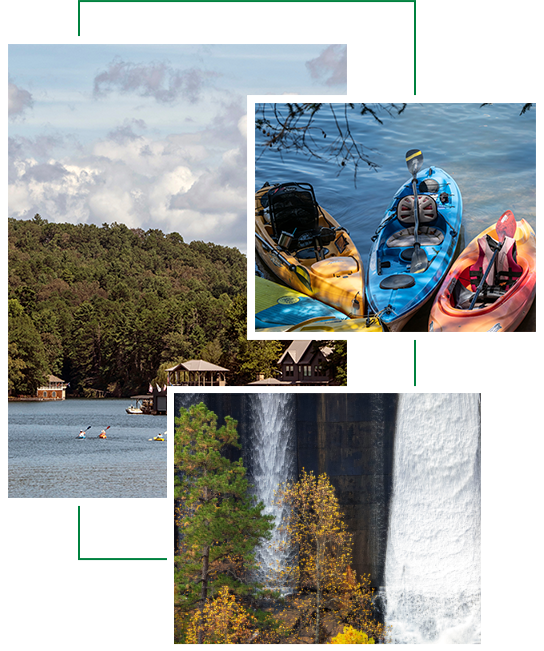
(505, 270)
(427, 236)
(426, 209)
(293, 209)
(462, 296)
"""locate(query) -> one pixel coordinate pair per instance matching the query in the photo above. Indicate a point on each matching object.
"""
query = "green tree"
(212, 351)
(257, 358)
(219, 523)
(337, 360)
(111, 304)
(27, 362)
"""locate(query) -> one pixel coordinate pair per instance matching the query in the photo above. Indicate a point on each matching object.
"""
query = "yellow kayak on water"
(306, 248)
(159, 437)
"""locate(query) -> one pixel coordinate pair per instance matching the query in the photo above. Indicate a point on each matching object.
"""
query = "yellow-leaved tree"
(351, 635)
(222, 621)
(320, 575)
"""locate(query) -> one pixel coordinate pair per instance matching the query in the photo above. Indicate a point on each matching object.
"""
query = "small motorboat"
(471, 300)
(414, 244)
(301, 244)
(134, 410)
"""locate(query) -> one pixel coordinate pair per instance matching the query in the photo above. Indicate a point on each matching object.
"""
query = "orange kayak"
(500, 308)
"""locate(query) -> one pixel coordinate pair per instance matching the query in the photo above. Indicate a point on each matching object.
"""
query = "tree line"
(110, 307)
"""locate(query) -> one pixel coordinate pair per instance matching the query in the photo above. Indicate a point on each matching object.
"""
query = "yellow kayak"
(306, 248)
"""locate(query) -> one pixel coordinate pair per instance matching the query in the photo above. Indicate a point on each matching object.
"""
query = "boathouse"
(54, 389)
(197, 373)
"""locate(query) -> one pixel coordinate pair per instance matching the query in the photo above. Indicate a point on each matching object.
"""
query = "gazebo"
(197, 373)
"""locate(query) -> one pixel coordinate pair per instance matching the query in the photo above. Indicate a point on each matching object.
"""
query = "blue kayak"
(393, 292)
(277, 305)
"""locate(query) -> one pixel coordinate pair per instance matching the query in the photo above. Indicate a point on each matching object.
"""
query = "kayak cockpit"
(294, 221)
(461, 297)
(501, 277)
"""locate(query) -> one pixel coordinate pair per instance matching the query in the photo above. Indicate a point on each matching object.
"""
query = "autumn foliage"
(222, 621)
(351, 636)
(326, 590)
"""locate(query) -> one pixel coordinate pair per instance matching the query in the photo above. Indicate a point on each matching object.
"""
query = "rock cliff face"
(351, 438)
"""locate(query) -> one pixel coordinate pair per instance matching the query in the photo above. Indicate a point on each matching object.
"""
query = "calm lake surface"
(47, 460)
(489, 151)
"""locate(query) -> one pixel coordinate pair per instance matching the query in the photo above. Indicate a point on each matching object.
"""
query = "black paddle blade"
(414, 161)
(419, 260)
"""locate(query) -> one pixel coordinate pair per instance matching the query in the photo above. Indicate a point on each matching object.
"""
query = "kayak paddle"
(419, 262)
(506, 227)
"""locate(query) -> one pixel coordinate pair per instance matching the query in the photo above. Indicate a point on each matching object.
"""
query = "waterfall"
(432, 571)
(272, 460)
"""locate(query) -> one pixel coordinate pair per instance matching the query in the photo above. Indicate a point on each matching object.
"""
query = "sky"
(152, 136)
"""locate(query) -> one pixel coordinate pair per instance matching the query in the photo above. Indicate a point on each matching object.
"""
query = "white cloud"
(194, 184)
(19, 100)
(242, 126)
(158, 80)
(330, 67)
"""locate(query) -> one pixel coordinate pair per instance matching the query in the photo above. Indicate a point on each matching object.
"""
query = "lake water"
(490, 151)
(47, 460)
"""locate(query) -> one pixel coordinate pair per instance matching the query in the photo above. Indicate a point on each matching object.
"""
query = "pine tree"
(27, 363)
(219, 523)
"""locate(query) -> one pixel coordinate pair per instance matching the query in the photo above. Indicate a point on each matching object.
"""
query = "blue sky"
(153, 136)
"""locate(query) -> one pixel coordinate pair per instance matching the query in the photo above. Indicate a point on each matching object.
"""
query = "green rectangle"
(243, 18)
(479, 363)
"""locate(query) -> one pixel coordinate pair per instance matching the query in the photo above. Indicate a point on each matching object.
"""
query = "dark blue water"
(46, 459)
(489, 151)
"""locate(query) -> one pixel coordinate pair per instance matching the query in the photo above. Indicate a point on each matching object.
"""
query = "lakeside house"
(300, 365)
(54, 389)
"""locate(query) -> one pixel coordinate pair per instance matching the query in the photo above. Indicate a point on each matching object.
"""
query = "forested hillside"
(105, 307)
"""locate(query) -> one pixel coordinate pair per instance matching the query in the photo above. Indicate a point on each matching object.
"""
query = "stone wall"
(350, 437)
